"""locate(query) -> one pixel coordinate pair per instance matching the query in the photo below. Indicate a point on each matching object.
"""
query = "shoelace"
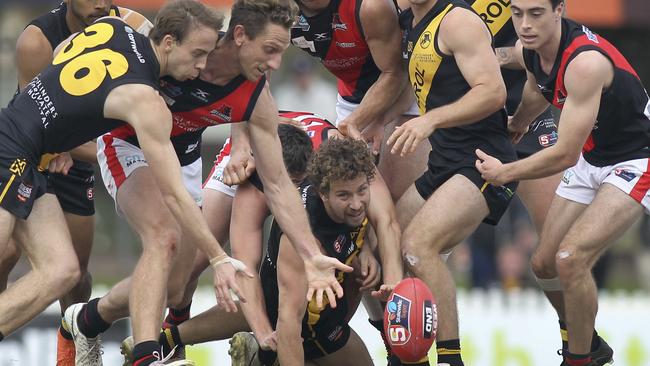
(158, 355)
(94, 356)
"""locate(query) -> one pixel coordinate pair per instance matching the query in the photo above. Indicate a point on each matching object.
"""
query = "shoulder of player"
(372, 10)
(587, 70)
(473, 28)
(33, 44)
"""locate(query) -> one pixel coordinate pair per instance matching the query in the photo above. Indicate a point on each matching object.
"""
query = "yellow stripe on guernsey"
(425, 61)
(495, 13)
(313, 311)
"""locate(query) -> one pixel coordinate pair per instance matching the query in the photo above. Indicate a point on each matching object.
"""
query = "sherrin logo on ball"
(411, 320)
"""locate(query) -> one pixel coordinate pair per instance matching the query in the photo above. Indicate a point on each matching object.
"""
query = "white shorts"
(214, 180)
(345, 108)
(118, 159)
(581, 182)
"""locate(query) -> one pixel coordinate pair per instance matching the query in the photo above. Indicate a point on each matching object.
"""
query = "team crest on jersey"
(337, 24)
(547, 140)
(224, 112)
(425, 42)
(302, 24)
(90, 194)
(626, 175)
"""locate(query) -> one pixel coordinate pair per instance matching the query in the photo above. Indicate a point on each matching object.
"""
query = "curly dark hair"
(254, 15)
(340, 159)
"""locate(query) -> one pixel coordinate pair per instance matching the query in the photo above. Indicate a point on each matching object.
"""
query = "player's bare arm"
(507, 58)
(476, 60)
(291, 284)
(383, 218)
(381, 30)
(241, 164)
(33, 54)
(285, 203)
(585, 79)
(152, 122)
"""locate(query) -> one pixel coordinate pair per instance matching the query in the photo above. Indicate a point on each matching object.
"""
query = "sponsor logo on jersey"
(191, 147)
(590, 35)
(134, 46)
(626, 175)
(302, 42)
(493, 10)
(90, 194)
(223, 111)
(342, 63)
(346, 44)
(335, 334)
(548, 139)
(399, 330)
(337, 24)
(302, 24)
(200, 94)
(320, 37)
(24, 192)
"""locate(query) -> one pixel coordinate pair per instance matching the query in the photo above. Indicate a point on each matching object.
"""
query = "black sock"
(564, 335)
(143, 353)
(449, 352)
(422, 362)
(178, 316)
(170, 338)
(595, 341)
(64, 332)
(90, 322)
(577, 360)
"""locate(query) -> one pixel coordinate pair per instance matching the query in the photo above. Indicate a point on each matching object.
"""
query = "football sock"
(449, 352)
(170, 338)
(143, 353)
(177, 316)
(90, 322)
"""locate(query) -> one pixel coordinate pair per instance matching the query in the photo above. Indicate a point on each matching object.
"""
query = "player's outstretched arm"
(285, 203)
(291, 306)
(147, 113)
(383, 218)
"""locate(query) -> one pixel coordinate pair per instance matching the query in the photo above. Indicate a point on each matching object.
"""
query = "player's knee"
(543, 266)
(162, 242)
(63, 277)
(568, 264)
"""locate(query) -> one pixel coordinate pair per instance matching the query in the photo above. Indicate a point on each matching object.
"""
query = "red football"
(411, 320)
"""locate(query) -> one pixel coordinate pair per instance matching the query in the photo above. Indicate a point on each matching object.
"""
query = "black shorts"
(75, 191)
(497, 198)
(20, 185)
(542, 133)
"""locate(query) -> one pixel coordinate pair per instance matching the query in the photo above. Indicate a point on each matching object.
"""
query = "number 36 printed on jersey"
(85, 72)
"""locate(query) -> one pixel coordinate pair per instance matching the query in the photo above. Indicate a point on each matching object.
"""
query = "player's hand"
(225, 281)
(349, 129)
(321, 278)
(406, 138)
(267, 341)
(369, 270)
(239, 168)
(60, 164)
(374, 135)
(516, 132)
(384, 291)
(490, 168)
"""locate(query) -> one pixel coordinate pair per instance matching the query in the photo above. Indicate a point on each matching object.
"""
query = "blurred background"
(494, 260)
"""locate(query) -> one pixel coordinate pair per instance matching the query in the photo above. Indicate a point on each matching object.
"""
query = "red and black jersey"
(197, 105)
(622, 129)
(336, 37)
